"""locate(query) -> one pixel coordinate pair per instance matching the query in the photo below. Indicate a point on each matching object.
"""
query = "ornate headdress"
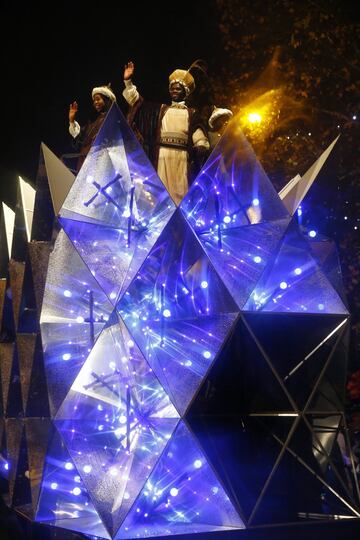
(104, 91)
(217, 113)
(184, 78)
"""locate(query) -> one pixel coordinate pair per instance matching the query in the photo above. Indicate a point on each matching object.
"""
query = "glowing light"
(257, 259)
(255, 202)
(76, 491)
(207, 354)
(299, 212)
(67, 293)
(54, 485)
(312, 234)
(174, 492)
(254, 118)
(80, 319)
(6, 466)
(297, 271)
(113, 295)
(69, 466)
(66, 356)
(283, 285)
(227, 219)
(198, 464)
(130, 343)
(167, 313)
(87, 469)
(204, 284)
(321, 307)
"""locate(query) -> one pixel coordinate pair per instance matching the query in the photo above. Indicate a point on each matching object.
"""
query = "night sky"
(57, 54)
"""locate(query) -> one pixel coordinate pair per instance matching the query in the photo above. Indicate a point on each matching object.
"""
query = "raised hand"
(129, 69)
(72, 111)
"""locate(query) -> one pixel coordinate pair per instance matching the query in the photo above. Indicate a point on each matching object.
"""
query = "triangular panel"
(181, 496)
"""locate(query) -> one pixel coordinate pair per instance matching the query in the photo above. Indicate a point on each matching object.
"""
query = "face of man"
(177, 92)
(98, 102)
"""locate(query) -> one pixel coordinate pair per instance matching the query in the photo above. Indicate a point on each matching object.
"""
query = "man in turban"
(172, 135)
(102, 98)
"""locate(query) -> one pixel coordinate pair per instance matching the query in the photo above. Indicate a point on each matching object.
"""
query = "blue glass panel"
(294, 282)
(116, 420)
(63, 495)
(117, 186)
(232, 188)
(178, 292)
(326, 255)
(66, 347)
(72, 294)
(182, 495)
(243, 254)
(112, 255)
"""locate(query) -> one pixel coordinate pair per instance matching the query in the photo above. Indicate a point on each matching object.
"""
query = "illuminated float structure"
(186, 373)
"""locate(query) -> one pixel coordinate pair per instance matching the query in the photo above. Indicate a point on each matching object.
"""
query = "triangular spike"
(21, 490)
(38, 432)
(63, 500)
(117, 186)
(9, 219)
(39, 253)
(3, 283)
(7, 328)
(20, 241)
(295, 282)
(232, 188)
(294, 192)
(178, 310)
(38, 400)
(6, 355)
(14, 430)
(60, 178)
(16, 275)
(14, 406)
(43, 219)
(181, 496)
(26, 349)
(28, 202)
(118, 406)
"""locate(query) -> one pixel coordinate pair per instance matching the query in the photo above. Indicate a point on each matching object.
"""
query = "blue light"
(321, 307)
(297, 271)
(257, 259)
(69, 466)
(283, 285)
(197, 463)
(6, 466)
(66, 356)
(299, 211)
(54, 485)
(207, 354)
(255, 202)
(80, 319)
(167, 313)
(204, 284)
(87, 469)
(67, 293)
(76, 491)
(227, 219)
(312, 234)
(174, 492)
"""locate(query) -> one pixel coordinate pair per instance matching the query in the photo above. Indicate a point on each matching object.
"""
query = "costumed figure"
(172, 135)
(218, 122)
(102, 98)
